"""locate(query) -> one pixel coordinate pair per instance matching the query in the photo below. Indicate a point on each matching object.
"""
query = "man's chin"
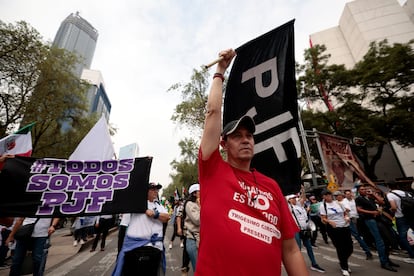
(246, 157)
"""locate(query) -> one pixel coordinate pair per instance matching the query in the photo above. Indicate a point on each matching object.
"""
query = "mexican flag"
(18, 143)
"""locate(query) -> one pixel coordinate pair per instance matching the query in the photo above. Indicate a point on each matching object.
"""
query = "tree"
(58, 105)
(37, 84)
(381, 108)
(186, 170)
(189, 113)
(319, 81)
(385, 77)
(21, 52)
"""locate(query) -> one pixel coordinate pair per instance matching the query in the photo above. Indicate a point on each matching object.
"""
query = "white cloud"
(146, 46)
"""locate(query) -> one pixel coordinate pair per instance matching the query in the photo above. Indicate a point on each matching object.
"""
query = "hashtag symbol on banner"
(38, 166)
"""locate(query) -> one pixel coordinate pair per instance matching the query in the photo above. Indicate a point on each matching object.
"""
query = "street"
(101, 263)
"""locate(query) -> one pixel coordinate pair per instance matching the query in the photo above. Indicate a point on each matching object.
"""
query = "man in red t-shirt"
(245, 224)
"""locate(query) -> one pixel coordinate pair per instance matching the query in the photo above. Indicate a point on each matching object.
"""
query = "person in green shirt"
(314, 216)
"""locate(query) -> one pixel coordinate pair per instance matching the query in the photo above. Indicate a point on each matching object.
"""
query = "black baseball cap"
(153, 185)
(245, 121)
(326, 192)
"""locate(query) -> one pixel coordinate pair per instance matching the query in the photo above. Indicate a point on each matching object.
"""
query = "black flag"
(262, 85)
(55, 187)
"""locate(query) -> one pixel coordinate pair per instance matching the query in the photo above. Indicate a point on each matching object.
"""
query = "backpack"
(407, 204)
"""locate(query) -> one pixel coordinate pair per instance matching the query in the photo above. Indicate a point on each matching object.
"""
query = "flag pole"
(322, 156)
(207, 66)
(306, 147)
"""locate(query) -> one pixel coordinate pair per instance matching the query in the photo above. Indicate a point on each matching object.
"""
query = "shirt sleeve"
(322, 210)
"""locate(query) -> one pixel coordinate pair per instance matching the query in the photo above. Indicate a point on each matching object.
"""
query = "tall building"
(129, 151)
(361, 22)
(97, 97)
(77, 35)
(364, 21)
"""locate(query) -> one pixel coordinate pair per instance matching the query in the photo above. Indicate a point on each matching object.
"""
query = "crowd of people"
(372, 215)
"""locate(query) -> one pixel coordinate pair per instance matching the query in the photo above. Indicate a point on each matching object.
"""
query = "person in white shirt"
(123, 226)
(337, 221)
(353, 215)
(142, 251)
(39, 242)
(403, 224)
(5, 230)
(300, 215)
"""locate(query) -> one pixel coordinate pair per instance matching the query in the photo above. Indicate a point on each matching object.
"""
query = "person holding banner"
(3, 158)
(142, 251)
(38, 243)
(256, 229)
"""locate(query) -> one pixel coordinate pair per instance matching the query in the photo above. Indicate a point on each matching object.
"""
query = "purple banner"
(55, 187)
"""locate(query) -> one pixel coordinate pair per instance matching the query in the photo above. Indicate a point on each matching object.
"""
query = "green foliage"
(385, 77)
(58, 104)
(319, 81)
(190, 112)
(185, 170)
(379, 109)
(21, 52)
(37, 83)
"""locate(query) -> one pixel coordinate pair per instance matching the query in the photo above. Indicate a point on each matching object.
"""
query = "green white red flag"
(18, 143)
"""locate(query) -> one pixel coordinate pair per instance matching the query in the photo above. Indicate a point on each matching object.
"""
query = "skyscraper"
(77, 35)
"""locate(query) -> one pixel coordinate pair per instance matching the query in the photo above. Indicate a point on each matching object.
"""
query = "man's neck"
(244, 166)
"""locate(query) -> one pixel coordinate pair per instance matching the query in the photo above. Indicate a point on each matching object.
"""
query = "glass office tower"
(77, 35)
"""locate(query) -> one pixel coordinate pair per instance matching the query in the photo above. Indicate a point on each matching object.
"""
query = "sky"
(146, 46)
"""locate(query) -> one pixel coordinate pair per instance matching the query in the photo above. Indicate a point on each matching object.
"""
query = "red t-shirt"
(244, 219)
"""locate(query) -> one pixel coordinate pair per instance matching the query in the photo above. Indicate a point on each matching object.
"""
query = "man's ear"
(223, 144)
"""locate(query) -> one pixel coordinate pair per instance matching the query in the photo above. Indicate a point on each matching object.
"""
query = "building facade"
(78, 36)
(361, 22)
(364, 21)
(97, 97)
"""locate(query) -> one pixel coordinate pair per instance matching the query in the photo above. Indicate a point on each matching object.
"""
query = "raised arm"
(212, 124)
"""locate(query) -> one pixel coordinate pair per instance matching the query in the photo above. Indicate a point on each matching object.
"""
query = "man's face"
(362, 191)
(152, 194)
(328, 197)
(239, 145)
(348, 195)
(339, 197)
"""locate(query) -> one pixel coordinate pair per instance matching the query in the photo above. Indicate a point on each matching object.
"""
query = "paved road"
(100, 263)
(64, 259)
